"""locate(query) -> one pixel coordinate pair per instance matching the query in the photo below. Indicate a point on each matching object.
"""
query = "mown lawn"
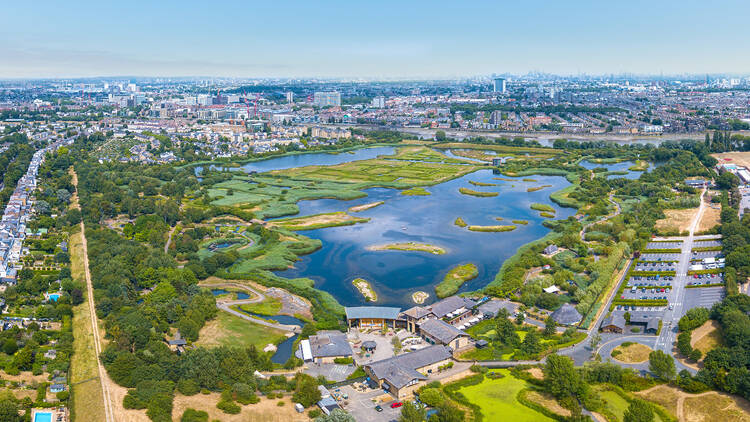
(269, 306)
(229, 330)
(497, 399)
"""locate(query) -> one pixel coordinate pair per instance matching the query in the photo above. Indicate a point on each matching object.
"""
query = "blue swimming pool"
(43, 417)
(54, 296)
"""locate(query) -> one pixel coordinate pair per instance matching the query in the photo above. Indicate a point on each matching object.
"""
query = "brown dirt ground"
(331, 218)
(264, 411)
(24, 376)
(677, 220)
(706, 337)
(739, 158)
(634, 353)
(365, 207)
(536, 373)
(710, 218)
(705, 407)
(547, 401)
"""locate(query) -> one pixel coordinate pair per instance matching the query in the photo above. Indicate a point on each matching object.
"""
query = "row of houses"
(17, 214)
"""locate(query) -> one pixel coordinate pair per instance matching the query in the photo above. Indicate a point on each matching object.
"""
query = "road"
(225, 305)
(668, 334)
(107, 396)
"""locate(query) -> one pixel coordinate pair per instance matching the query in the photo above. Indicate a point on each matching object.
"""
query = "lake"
(395, 275)
(307, 159)
(621, 166)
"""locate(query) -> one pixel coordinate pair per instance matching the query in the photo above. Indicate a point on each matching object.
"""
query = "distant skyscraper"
(290, 97)
(378, 102)
(498, 85)
(325, 99)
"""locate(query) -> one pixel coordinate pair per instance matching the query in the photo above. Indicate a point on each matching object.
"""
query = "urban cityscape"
(364, 216)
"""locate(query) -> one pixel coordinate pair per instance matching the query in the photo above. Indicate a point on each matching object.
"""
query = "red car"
(396, 404)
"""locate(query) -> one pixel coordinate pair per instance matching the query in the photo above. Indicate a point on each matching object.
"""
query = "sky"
(370, 39)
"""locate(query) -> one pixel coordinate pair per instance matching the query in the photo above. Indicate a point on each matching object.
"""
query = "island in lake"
(409, 246)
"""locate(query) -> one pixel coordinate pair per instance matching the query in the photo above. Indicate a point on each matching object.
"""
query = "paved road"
(225, 305)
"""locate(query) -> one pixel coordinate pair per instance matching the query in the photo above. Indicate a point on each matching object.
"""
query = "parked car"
(378, 408)
(396, 405)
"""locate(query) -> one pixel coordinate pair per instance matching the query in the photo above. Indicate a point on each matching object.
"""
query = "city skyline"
(394, 41)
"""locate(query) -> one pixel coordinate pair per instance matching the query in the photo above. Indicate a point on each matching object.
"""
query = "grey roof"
(652, 324)
(566, 315)
(369, 344)
(493, 307)
(617, 320)
(450, 304)
(329, 344)
(402, 369)
(441, 330)
(417, 312)
(372, 312)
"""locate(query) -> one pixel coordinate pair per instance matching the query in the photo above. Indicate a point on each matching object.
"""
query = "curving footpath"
(617, 212)
(225, 305)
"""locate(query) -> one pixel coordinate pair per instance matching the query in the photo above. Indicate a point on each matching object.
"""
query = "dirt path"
(618, 209)
(108, 413)
(681, 396)
(169, 239)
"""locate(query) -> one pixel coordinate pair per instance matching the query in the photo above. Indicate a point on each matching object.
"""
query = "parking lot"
(362, 407)
(699, 279)
(704, 297)
(706, 254)
(660, 257)
(664, 245)
(655, 266)
(706, 244)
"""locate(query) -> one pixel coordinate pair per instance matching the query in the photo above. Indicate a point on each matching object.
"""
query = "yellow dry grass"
(704, 407)
(711, 217)
(87, 402)
(739, 158)
(706, 337)
(264, 411)
(676, 220)
(536, 373)
(633, 353)
(547, 401)
(667, 397)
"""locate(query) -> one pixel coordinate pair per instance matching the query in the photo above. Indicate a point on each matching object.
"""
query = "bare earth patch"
(706, 337)
(264, 411)
(711, 217)
(704, 407)
(536, 373)
(360, 208)
(677, 220)
(547, 401)
(739, 158)
(633, 353)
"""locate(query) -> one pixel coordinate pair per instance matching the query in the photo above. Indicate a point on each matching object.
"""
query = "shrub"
(192, 415)
(315, 413)
(229, 407)
(344, 361)
(188, 387)
(635, 330)
(495, 375)
(478, 369)
(280, 403)
(62, 395)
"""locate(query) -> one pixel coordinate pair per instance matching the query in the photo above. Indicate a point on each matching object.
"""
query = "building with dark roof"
(650, 323)
(437, 331)
(401, 375)
(452, 309)
(566, 315)
(373, 317)
(329, 345)
(613, 324)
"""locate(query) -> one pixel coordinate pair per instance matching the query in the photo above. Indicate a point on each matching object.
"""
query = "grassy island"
(492, 228)
(524, 222)
(365, 207)
(455, 278)
(504, 179)
(542, 207)
(467, 191)
(546, 214)
(409, 246)
(319, 221)
(529, 180)
(415, 192)
(460, 222)
(640, 165)
(536, 188)
(481, 183)
(365, 289)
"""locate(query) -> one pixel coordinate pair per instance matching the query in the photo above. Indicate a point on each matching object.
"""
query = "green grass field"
(497, 399)
(229, 330)
(269, 306)
(415, 192)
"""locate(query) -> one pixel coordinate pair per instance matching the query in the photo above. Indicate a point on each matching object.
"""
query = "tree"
(550, 327)
(431, 397)
(560, 377)
(410, 412)
(638, 411)
(520, 318)
(9, 410)
(595, 340)
(306, 391)
(661, 365)
(440, 135)
(337, 415)
(506, 333)
(532, 343)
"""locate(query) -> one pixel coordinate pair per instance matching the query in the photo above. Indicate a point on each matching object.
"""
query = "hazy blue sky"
(53, 38)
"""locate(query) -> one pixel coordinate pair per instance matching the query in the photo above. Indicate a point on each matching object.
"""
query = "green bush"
(343, 361)
(192, 415)
(229, 407)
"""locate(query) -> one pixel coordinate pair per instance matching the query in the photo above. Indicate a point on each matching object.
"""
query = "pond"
(283, 349)
(240, 295)
(307, 159)
(619, 167)
(395, 275)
